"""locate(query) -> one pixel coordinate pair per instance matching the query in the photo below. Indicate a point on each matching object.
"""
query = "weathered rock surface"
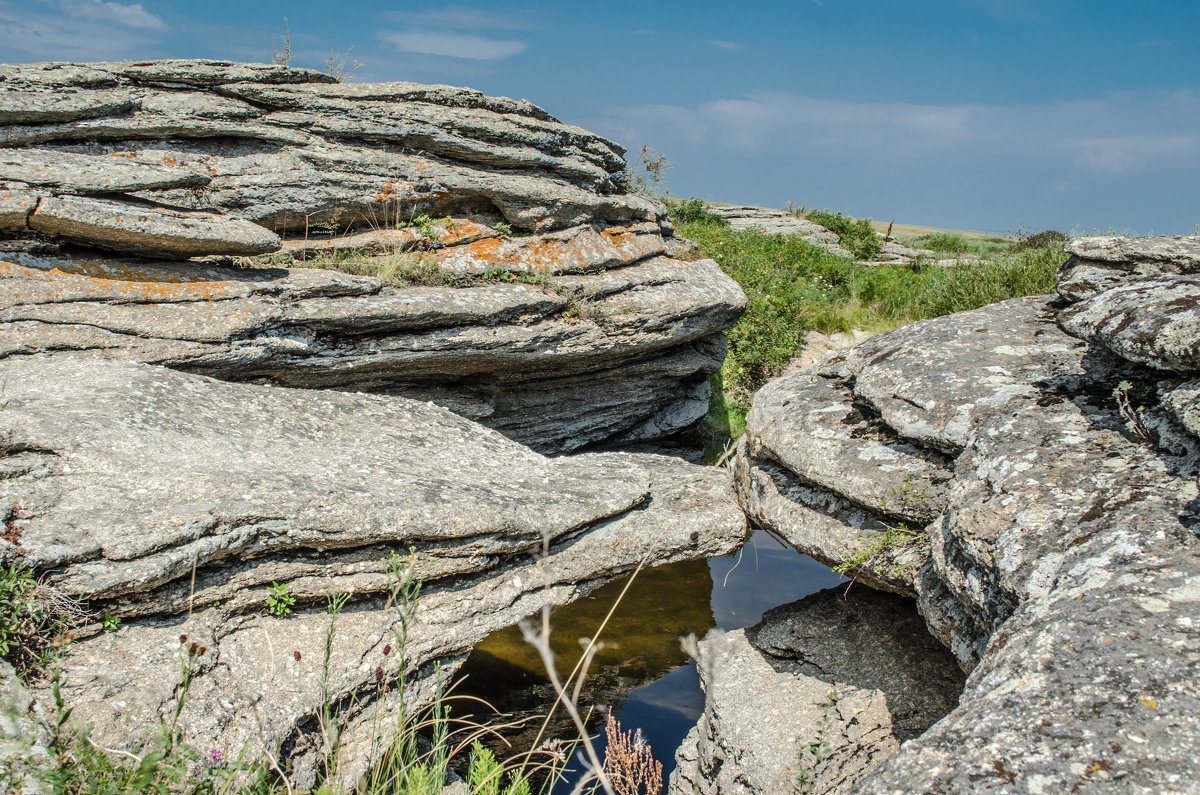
(780, 222)
(1152, 321)
(1062, 563)
(172, 501)
(1100, 263)
(624, 354)
(556, 313)
(853, 671)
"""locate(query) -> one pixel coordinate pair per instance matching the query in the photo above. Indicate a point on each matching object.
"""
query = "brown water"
(642, 673)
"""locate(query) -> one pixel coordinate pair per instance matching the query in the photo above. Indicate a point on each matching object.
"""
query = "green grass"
(793, 287)
(953, 244)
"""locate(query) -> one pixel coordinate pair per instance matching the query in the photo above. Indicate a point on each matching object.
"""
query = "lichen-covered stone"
(568, 322)
(1101, 262)
(149, 231)
(852, 672)
(1064, 565)
(173, 501)
(1152, 321)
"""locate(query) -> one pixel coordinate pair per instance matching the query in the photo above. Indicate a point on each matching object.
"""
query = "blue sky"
(997, 115)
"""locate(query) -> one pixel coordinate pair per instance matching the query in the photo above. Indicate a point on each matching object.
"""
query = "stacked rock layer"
(551, 309)
(205, 450)
(1028, 472)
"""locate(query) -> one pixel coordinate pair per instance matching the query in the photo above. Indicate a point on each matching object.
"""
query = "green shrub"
(858, 236)
(1050, 237)
(695, 211)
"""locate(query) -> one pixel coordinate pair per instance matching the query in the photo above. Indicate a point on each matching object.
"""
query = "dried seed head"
(378, 674)
(297, 656)
(387, 650)
(183, 638)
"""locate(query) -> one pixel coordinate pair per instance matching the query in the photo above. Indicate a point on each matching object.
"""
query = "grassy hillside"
(794, 287)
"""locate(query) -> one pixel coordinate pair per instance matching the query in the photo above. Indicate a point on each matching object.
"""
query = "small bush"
(858, 236)
(695, 211)
(1049, 237)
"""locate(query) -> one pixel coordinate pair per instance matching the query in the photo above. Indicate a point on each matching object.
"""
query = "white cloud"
(732, 46)
(454, 45)
(1140, 134)
(459, 18)
(77, 30)
(133, 16)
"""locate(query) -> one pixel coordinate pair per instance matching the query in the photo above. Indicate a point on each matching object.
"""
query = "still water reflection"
(642, 674)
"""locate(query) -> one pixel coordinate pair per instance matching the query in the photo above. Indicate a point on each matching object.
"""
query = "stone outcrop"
(815, 696)
(173, 502)
(781, 222)
(1037, 492)
(540, 299)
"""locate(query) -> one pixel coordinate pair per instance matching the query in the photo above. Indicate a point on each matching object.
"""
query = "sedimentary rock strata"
(552, 309)
(815, 696)
(1040, 489)
(173, 501)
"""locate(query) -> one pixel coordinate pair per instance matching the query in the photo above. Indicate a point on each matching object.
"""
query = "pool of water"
(642, 673)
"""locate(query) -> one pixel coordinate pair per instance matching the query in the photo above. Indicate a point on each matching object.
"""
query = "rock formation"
(815, 696)
(551, 309)
(1028, 472)
(780, 222)
(173, 502)
(191, 425)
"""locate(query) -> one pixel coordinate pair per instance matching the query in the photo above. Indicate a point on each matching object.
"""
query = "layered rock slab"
(1063, 563)
(815, 696)
(173, 501)
(614, 343)
(622, 354)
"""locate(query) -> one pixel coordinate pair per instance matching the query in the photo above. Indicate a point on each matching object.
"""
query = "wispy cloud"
(1156, 43)
(132, 15)
(1116, 159)
(444, 32)
(454, 45)
(459, 18)
(78, 30)
(731, 46)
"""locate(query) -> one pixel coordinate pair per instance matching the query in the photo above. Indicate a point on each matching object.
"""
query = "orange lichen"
(142, 282)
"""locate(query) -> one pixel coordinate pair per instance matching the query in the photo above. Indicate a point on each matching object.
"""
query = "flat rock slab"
(536, 358)
(149, 231)
(853, 672)
(1152, 321)
(192, 468)
(78, 173)
(1063, 568)
(43, 105)
(1100, 263)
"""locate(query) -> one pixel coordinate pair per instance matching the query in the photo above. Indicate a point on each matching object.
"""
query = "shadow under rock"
(868, 639)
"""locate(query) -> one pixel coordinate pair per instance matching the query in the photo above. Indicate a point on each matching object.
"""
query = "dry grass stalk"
(629, 762)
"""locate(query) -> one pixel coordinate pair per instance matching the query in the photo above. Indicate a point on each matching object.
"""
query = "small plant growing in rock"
(336, 65)
(1135, 419)
(816, 750)
(279, 600)
(695, 211)
(109, 622)
(893, 538)
(856, 235)
(503, 228)
(281, 49)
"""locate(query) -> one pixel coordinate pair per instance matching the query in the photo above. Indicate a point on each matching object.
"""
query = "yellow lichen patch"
(1149, 702)
(63, 278)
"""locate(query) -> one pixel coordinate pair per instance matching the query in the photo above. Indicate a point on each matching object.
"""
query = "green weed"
(857, 236)
(279, 600)
(891, 540)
